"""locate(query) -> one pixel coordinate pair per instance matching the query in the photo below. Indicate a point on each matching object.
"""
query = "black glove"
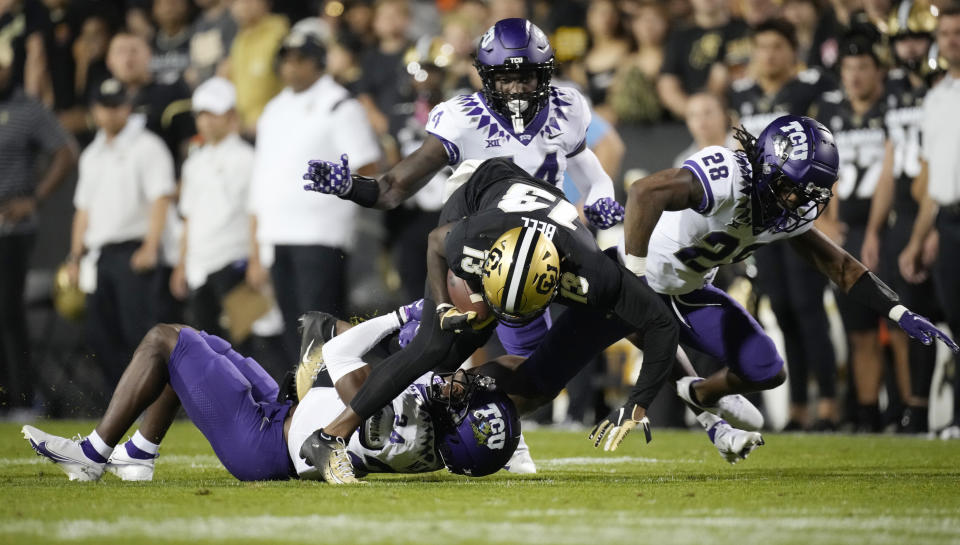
(453, 319)
(619, 423)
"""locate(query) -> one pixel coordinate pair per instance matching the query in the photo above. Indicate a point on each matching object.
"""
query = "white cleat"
(66, 453)
(733, 444)
(129, 468)
(521, 462)
(733, 408)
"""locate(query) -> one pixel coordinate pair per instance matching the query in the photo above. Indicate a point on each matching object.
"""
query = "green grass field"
(797, 489)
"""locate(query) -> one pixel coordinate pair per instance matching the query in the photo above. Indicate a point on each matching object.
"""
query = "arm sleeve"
(432, 348)
(588, 175)
(643, 309)
(343, 353)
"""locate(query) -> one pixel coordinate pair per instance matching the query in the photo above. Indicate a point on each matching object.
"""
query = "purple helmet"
(794, 167)
(515, 46)
(476, 433)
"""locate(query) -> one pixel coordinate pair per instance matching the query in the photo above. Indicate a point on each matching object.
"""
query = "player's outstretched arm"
(647, 199)
(864, 287)
(401, 181)
(595, 185)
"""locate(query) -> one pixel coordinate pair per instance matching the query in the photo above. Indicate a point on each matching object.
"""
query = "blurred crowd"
(187, 125)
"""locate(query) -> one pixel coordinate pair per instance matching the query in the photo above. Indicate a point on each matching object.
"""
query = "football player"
(718, 208)
(894, 207)
(455, 421)
(517, 114)
(515, 240)
(795, 291)
(855, 115)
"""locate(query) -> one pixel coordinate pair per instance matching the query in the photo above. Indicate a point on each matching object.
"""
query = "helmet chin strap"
(517, 107)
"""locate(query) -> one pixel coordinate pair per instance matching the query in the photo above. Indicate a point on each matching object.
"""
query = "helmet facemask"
(454, 392)
(786, 206)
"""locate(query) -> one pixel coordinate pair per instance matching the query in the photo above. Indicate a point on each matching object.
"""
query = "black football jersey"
(755, 109)
(904, 110)
(861, 144)
(501, 196)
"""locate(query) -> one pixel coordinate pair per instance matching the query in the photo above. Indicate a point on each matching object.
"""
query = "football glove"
(921, 329)
(329, 177)
(407, 332)
(617, 425)
(604, 213)
(453, 319)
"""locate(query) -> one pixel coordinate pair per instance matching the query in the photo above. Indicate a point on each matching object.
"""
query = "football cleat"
(733, 444)
(316, 328)
(68, 454)
(521, 462)
(131, 464)
(328, 456)
(733, 408)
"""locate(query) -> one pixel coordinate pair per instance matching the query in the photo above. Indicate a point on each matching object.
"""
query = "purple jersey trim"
(530, 131)
(453, 152)
(580, 147)
(706, 204)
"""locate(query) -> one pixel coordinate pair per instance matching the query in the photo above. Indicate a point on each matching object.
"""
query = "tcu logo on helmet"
(487, 38)
(795, 144)
(491, 430)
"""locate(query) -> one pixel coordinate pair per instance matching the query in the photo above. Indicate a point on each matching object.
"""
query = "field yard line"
(621, 526)
(599, 460)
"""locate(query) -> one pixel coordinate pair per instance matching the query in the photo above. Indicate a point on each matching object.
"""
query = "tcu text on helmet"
(498, 430)
(799, 147)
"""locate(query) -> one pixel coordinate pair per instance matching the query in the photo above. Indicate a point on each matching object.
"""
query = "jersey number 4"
(524, 198)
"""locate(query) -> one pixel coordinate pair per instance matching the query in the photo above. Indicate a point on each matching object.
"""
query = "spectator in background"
(137, 20)
(894, 207)
(384, 88)
(856, 117)
(125, 185)
(310, 235)
(252, 57)
(505, 9)
(89, 68)
(460, 31)
(23, 24)
(609, 47)
(633, 95)
(939, 186)
(26, 128)
(211, 37)
(213, 197)
(343, 61)
(708, 123)
(171, 45)
(793, 286)
(695, 55)
(163, 107)
(805, 18)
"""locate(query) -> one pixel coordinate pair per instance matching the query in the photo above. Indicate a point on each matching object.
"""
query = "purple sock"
(134, 452)
(713, 429)
(91, 452)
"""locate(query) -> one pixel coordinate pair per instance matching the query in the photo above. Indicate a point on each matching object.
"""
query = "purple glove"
(329, 177)
(604, 213)
(413, 311)
(408, 332)
(921, 329)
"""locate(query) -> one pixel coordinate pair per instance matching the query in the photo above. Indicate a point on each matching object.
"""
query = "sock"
(95, 448)
(708, 420)
(143, 444)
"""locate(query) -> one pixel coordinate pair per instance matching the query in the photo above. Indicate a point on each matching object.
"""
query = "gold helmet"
(911, 18)
(68, 299)
(520, 275)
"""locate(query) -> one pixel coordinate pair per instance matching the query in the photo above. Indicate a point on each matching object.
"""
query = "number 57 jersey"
(688, 245)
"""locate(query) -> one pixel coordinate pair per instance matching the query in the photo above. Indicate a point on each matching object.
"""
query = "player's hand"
(453, 319)
(618, 424)
(870, 251)
(329, 177)
(408, 331)
(921, 329)
(604, 213)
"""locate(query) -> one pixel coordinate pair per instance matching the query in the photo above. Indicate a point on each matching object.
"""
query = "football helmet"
(520, 275)
(477, 426)
(515, 46)
(914, 19)
(68, 299)
(795, 164)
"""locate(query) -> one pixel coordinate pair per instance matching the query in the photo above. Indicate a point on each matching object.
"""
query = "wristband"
(635, 264)
(897, 312)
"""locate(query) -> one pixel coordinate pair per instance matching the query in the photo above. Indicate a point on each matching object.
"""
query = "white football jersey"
(397, 439)
(469, 129)
(688, 245)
